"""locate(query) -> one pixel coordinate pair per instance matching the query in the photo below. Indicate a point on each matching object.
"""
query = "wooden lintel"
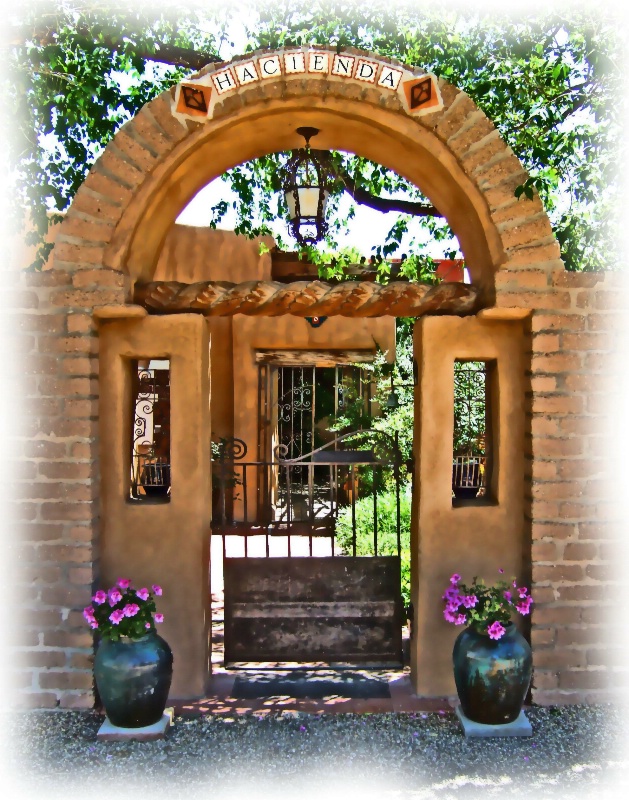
(496, 313)
(119, 312)
(314, 358)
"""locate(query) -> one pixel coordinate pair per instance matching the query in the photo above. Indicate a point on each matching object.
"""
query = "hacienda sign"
(196, 98)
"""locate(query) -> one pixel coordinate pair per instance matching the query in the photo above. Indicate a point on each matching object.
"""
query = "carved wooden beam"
(314, 358)
(307, 298)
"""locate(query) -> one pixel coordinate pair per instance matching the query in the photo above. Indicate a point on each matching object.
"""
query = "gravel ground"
(575, 752)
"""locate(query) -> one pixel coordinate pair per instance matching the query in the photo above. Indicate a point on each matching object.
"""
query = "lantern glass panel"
(290, 203)
(308, 201)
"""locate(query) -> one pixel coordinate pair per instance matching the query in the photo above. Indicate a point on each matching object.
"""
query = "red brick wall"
(576, 364)
(56, 489)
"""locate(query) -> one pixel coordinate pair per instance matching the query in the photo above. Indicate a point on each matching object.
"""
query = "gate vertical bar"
(288, 504)
(396, 478)
(375, 514)
(353, 484)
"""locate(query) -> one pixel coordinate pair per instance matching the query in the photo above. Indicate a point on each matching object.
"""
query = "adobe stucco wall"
(115, 229)
(476, 538)
(574, 528)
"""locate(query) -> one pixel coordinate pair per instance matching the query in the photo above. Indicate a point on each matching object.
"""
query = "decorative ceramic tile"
(419, 94)
(319, 62)
(294, 62)
(390, 78)
(343, 66)
(194, 100)
(269, 66)
(246, 72)
(224, 81)
(366, 70)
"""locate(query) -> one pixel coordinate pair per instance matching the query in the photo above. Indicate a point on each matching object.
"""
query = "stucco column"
(164, 543)
(475, 537)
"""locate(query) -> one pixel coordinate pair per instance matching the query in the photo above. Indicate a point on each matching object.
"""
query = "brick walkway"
(220, 701)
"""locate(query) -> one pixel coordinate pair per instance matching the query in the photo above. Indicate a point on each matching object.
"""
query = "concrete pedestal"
(112, 733)
(519, 727)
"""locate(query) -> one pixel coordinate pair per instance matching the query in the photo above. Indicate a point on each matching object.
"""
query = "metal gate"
(333, 594)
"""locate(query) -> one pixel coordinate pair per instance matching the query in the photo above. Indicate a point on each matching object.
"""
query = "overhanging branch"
(163, 53)
(383, 204)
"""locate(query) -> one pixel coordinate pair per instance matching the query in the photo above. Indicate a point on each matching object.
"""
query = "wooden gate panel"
(313, 609)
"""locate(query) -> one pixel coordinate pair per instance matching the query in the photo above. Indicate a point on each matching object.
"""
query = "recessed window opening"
(150, 452)
(471, 447)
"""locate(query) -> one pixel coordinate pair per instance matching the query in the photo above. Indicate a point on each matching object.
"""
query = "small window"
(472, 445)
(150, 454)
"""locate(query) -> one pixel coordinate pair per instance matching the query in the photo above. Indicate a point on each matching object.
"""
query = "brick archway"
(113, 234)
(159, 160)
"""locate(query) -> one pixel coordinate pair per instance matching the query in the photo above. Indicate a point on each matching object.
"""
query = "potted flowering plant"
(488, 608)
(133, 665)
(492, 660)
(123, 611)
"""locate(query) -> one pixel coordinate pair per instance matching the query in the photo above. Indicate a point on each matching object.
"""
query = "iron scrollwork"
(150, 472)
(229, 449)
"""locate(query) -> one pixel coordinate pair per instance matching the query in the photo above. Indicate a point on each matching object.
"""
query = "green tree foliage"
(75, 74)
(549, 81)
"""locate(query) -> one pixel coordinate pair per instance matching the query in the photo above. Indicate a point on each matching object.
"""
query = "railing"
(469, 476)
(150, 477)
(305, 496)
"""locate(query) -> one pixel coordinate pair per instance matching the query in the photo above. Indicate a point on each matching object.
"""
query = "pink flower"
(147, 625)
(460, 620)
(88, 613)
(470, 600)
(501, 571)
(131, 609)
(449, 616)
(93, 624)
(508, 596)
(157, 590)
(495, 630)
(525, 606)
(100, 597)
(114, 597)
(116, 616)
(454, 579)
(523, 591)
(450, 593)
(159, 617)
(455, 601)
(143, 594)
(124, 583)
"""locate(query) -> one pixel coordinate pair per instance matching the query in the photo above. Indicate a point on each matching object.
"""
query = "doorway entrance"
(322, 582)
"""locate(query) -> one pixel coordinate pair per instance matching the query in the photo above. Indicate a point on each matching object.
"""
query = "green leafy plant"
(124, 611)
(387, 532)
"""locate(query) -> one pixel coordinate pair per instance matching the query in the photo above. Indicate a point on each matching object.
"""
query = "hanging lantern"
(392, 400)
(306, 190)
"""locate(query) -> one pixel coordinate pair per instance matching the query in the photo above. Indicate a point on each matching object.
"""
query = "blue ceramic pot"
(133, 679)
(492, 676)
